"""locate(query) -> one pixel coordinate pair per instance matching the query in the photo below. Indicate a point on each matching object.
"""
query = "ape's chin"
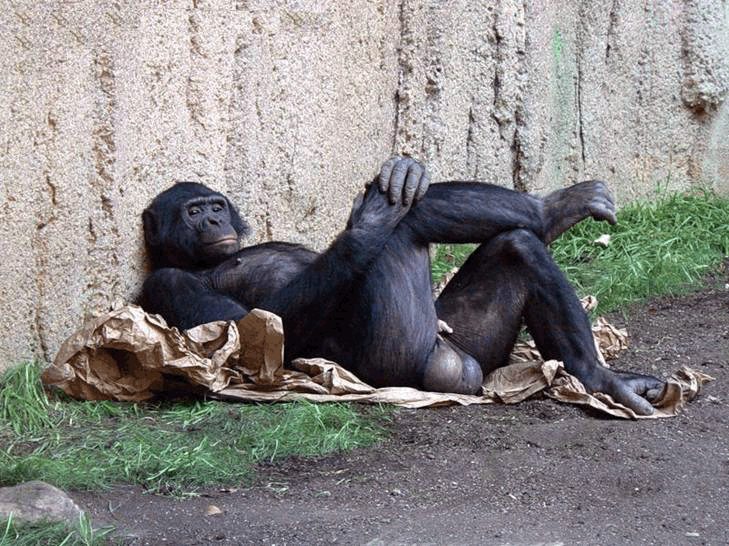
(224, 247)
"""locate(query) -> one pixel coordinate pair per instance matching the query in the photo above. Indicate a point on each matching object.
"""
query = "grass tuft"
(657, 248)
(171, 448)
(23, 403)
(33, 534)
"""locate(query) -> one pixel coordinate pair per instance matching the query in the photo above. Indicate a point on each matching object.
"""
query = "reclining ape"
(366, 302)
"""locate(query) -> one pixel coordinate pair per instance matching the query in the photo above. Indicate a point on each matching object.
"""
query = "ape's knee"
(520, 242)
(521, 248)
(449, 370)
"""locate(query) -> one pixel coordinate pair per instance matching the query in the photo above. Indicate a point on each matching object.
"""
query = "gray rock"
(37, 501)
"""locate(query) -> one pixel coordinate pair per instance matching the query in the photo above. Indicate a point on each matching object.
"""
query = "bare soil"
(540, 472)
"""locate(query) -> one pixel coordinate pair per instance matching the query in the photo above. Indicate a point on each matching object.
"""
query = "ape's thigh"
(485, 301)
(386, 327)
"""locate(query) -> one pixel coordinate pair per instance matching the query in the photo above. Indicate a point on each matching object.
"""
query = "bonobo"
(366, 301)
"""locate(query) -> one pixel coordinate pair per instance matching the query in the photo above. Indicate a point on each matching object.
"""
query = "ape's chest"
(250, 277)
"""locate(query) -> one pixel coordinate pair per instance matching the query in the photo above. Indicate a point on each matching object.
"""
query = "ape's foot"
(566, 207)
(634, 391)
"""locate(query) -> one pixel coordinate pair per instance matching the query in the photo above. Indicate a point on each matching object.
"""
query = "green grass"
(447, 257)
(24, 407)
(172, 448)
(52, 534)
(657, 248)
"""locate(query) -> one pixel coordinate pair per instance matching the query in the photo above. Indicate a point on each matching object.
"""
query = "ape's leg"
(387, 330)
(512, 276)
(467, 212)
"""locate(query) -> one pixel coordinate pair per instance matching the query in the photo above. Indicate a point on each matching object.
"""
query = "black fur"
(366, 301)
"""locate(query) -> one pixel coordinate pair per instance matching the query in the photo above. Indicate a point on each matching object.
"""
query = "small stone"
(212, 510)
(37, 501)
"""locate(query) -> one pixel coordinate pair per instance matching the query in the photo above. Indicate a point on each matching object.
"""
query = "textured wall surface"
(537, 94)
(291, 106)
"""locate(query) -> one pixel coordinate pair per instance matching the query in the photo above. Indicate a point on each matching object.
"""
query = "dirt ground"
(540, 472)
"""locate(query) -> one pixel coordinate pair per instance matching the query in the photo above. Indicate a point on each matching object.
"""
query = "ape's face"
(190, 226)
(209, 221)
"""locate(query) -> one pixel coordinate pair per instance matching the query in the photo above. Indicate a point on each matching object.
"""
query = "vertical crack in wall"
(195, 84)
(101, 267)
(500, 108)
(509, 85)
(520, 172)
(582, 37)
(104, 147)
(41, 253)
(471, 145)
(406, 97)
(432, 132)
(400, 75)
(580, 130)
(611, 30)
(48, 149)
(247, 132)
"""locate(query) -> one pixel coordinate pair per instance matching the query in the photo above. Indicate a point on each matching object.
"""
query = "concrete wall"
(537, 94)
(290, 106)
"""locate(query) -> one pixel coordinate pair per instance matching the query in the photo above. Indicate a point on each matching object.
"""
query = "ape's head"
(190, 226)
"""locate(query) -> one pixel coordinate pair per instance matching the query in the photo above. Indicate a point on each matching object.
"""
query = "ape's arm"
(186, 299)
(471, 212)
(190, 225)
(315, 293)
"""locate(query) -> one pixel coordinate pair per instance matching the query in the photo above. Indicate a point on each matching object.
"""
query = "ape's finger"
(630, 399)
(383, 181)
(423, 186)
(605, 211)
(607, 215)
(602, 204)
(397, 180)
(654, 395)
(653, 389)
(444, 328)
(640, 405)
(415, 172)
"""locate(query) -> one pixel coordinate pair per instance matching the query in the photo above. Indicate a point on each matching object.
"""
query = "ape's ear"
(151, 228)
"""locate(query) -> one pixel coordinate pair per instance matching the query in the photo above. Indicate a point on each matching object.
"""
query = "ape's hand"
(566, 207)
(634, 391)
(403, 180)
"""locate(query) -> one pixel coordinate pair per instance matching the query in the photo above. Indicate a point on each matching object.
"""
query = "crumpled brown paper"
(128, 355)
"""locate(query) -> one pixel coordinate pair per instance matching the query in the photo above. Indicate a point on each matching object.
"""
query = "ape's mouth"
(225, 241)
(226, 245)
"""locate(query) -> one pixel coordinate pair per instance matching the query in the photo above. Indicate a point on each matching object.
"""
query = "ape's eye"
(217, 208)
(193, 211)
